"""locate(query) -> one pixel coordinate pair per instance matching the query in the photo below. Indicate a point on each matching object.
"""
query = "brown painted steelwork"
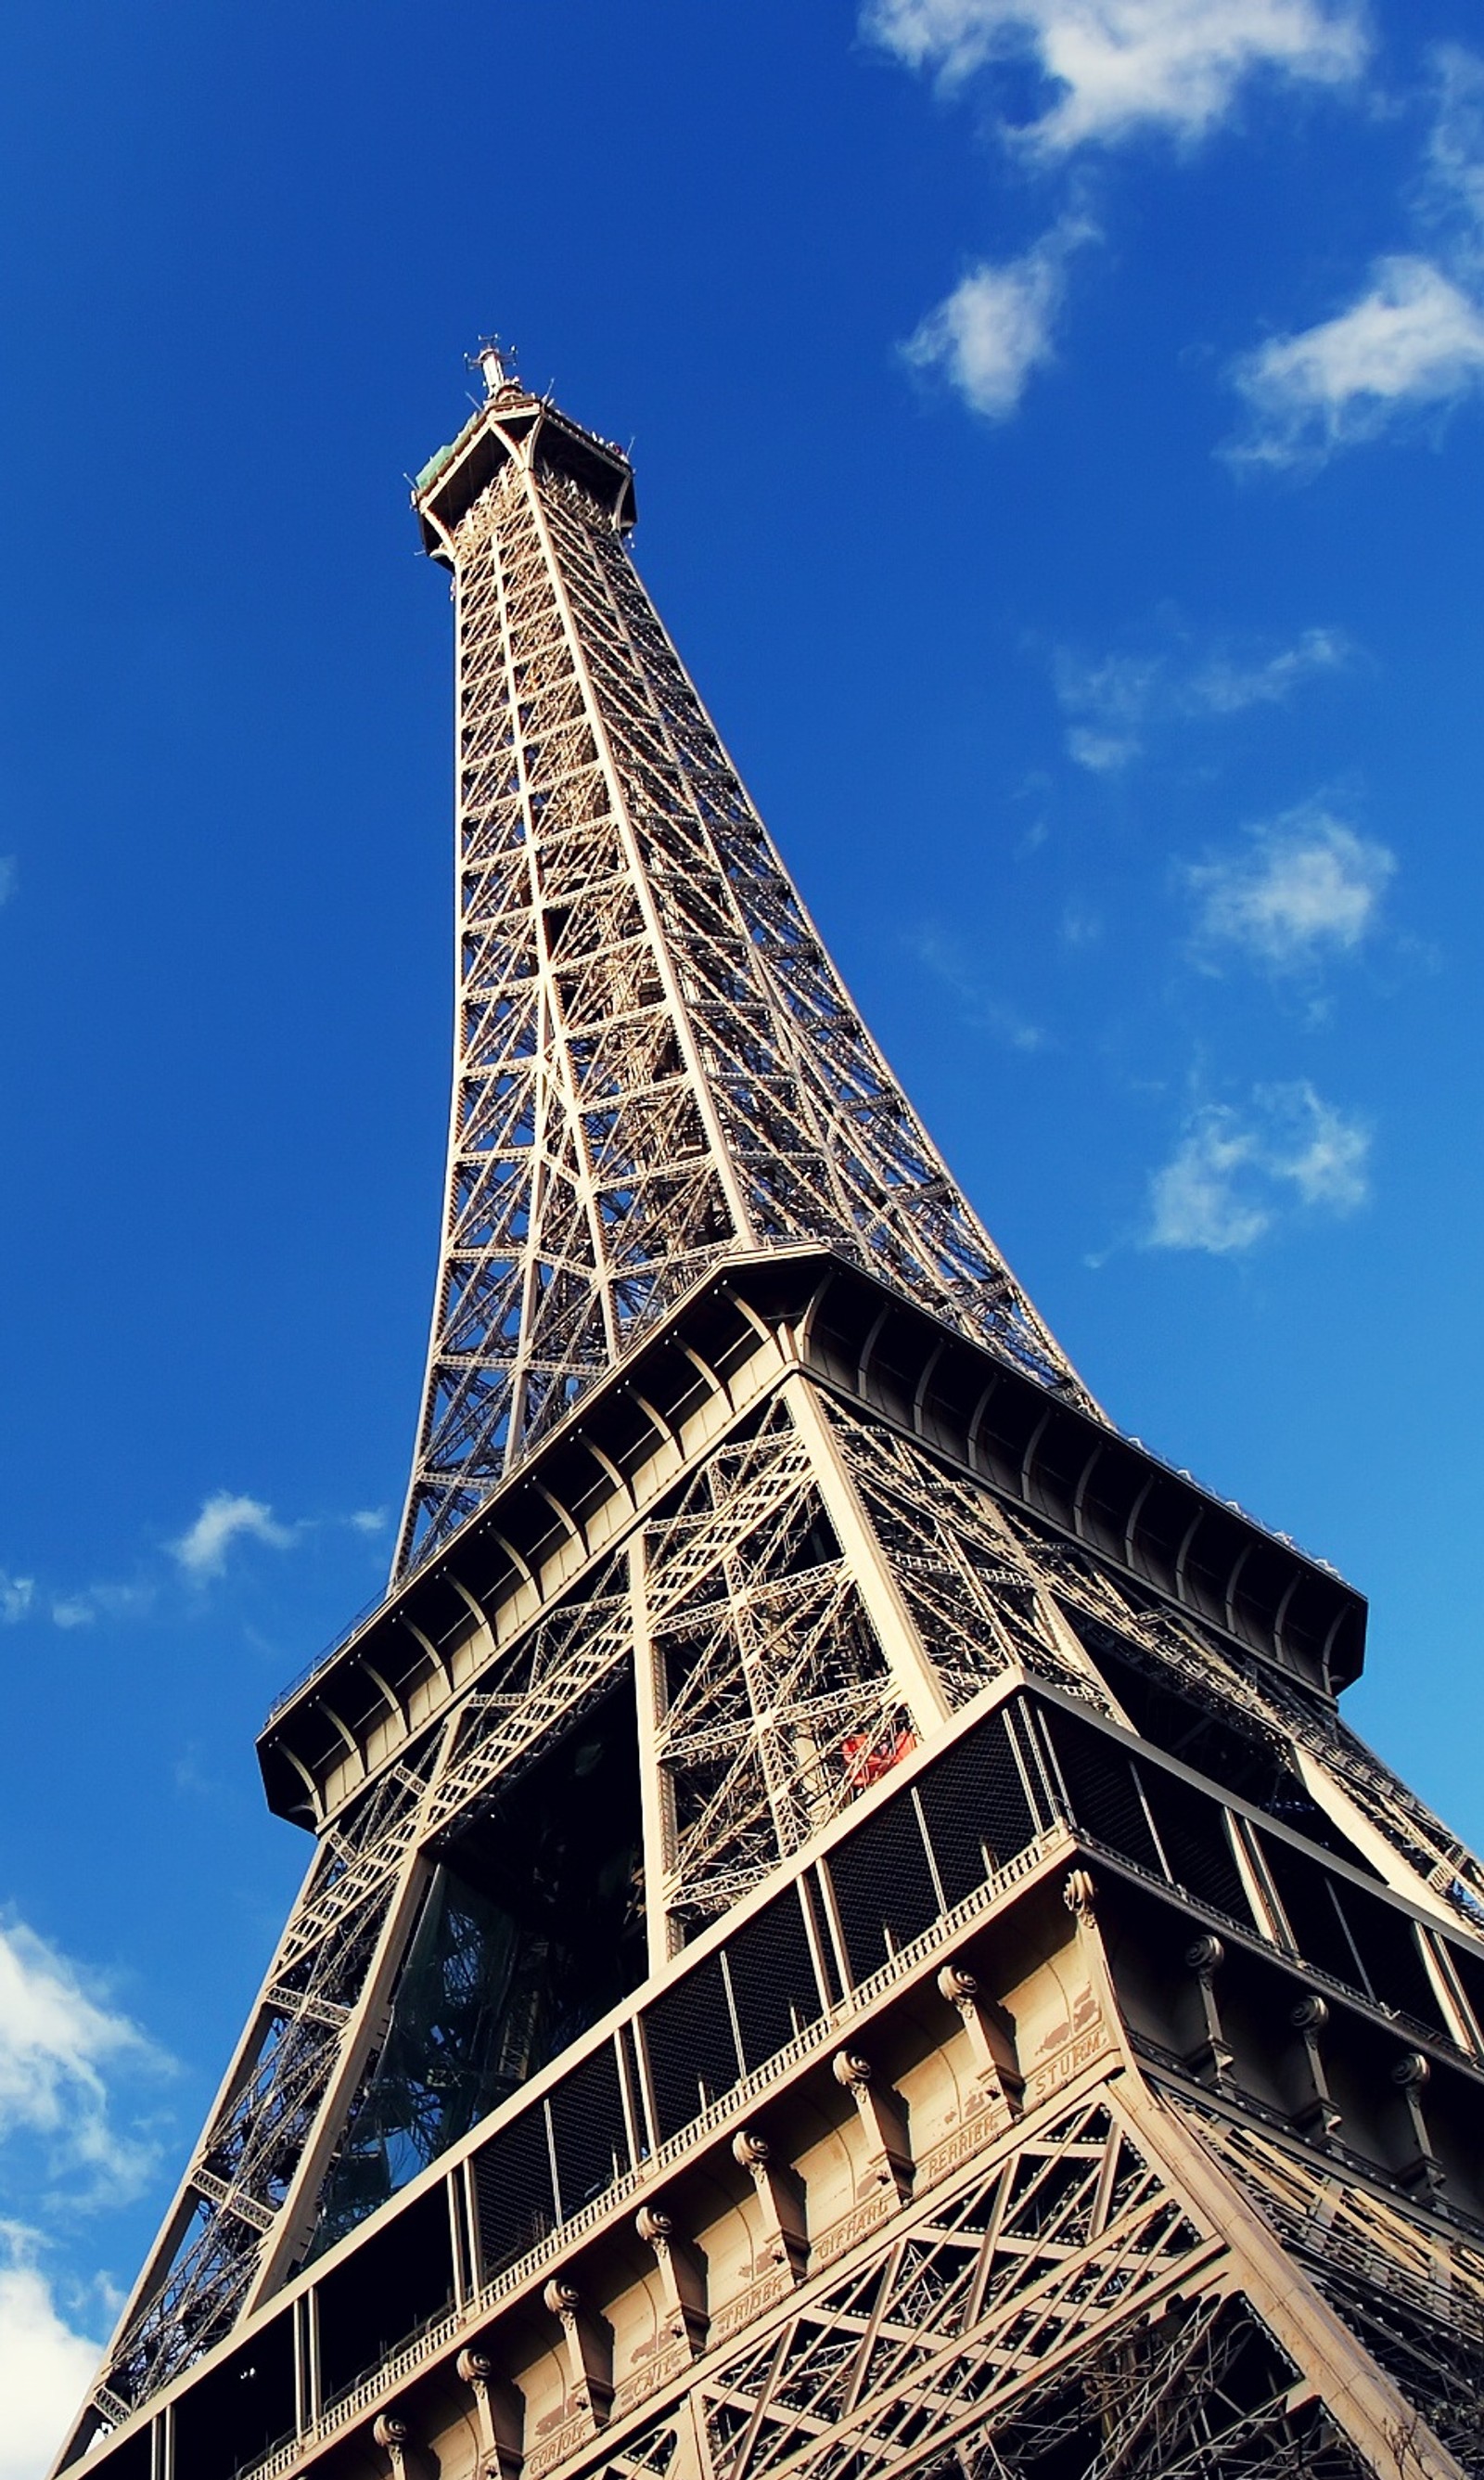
(998, 2019)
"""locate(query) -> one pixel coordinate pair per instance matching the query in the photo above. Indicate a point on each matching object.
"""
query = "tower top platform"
(513, 425)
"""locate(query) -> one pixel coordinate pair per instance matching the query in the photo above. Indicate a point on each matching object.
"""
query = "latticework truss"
(656, 1064)
(775, 1703)
(847, 1936)
(1416, 2306)
(819, 1598)
(1062, 2310)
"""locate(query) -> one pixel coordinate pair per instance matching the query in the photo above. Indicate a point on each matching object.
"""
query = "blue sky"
(1057, 428)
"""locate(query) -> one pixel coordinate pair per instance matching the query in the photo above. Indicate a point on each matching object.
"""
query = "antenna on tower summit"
(496, 360)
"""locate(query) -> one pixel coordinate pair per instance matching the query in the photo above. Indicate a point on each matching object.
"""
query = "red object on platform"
(865, 1761)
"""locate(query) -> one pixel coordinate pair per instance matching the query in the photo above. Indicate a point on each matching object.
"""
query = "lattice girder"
(772, 1590)
(694, 1079)
(1024, 2035)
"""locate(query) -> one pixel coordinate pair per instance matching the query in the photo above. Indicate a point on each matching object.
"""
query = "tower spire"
(657, 1068)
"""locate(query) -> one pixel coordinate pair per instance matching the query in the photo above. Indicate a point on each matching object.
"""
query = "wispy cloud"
(997, 325)
(59, 2043)
(1116, 68)
(1103, 71)
(226, 1518)
(73, 1610)
(1453, 173)
(101, 1602)
(1226, 686)
(45, 2364)
(6, 877)
(1112, 701)
(1107, 701)
(200, 1556)
(1235, 1175)
(1413, 341)
(980, 1008)
(1302, 889)
(17, 1595)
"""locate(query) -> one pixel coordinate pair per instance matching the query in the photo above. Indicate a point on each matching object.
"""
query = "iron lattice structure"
(846, 1935)
(656, 1064)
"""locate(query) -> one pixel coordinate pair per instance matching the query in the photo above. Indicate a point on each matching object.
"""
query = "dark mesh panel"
(232, 2415)
(977, 1812)
(513, 2190)
(1192, 1829)
(1304, 1892)
(399, 2278)
(133, 2460)
(883, 1886)
(1103, 1789)
(692, 2054)
(1470, 1968)
(1389, 1949)
(773, 1979)
(588, 2128)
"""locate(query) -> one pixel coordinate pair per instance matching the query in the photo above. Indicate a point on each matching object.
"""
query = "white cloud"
(1107, 700)
(101, 1602)
(1455, 154)
(73, 1610)
(1415, 339)
(17, 1595)
(45, 2365)
(1102, 753)
(1233, 1175)
(995, 327)
(1305, 886)
(944, 960)
(56, 2041)
(1116, 68)
(1226, 687)
(1112, 700)
(1194, 1200)
(225, 1518)
(200, 1553)
(6, 877)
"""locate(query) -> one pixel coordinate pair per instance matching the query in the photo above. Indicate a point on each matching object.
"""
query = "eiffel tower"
(846, 1934)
